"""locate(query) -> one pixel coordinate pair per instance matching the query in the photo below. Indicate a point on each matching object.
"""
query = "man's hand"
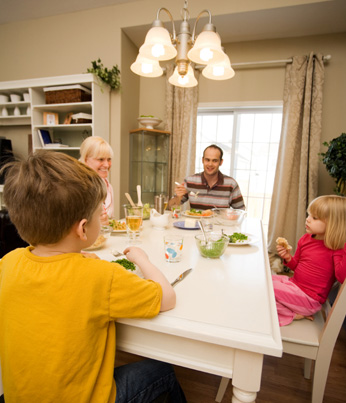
(180, 190)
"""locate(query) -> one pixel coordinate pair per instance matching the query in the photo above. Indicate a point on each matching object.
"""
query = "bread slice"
(283, 242)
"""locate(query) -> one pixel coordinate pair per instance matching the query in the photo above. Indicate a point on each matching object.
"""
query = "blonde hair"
(95, 147)
(48, 193)
(331, 210)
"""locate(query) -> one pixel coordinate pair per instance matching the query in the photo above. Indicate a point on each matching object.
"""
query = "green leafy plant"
(335, 161)
(109, 77)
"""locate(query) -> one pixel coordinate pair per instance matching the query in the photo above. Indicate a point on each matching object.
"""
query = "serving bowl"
(229, 216)
(215, 246)
(148, 122)
(101, 240)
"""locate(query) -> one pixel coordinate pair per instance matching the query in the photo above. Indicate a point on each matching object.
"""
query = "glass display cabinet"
(149, 163)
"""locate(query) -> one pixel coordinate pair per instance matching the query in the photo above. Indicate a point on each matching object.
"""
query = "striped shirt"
(223, 194)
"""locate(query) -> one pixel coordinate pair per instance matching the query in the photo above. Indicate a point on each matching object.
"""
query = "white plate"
(249, 241)
(197, 216)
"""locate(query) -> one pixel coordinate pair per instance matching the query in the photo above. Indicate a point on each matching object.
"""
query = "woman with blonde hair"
(97, 154)
(319, 261)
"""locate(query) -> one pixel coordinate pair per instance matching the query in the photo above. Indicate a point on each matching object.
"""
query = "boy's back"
(58, 335)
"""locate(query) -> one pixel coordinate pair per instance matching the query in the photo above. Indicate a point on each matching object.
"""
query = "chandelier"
(204, 49)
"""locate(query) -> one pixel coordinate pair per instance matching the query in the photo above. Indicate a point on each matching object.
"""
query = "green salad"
(237, 237)
(125, 263)
(213, 249)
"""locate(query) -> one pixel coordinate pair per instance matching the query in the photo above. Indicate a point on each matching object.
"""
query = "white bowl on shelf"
(149, 123)
(4, 98)
(15, 98)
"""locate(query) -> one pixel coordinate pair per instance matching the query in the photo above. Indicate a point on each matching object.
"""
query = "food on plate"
(117, 225)
(125, 263)
(284, 243)
(237, 237)
(101, 239)
(199, 213)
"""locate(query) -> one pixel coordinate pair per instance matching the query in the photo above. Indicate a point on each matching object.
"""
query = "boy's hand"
(283, 253)
(90, 255)
(135, 255)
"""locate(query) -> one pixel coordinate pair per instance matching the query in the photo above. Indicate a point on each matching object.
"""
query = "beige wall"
(66, 44)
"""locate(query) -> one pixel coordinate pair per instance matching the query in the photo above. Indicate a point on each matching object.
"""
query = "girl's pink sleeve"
(339, 258)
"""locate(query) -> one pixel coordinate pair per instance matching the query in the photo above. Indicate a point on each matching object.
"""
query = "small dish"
(15, 98)
(181, 225)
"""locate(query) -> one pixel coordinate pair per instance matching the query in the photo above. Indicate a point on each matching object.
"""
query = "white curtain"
(295, 184)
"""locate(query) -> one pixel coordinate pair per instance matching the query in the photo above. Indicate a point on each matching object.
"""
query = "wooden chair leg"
(307, 368)
(222, 389)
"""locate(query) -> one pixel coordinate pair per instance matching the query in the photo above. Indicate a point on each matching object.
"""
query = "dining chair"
(312, 340)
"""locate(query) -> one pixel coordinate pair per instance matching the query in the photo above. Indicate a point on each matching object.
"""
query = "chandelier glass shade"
(187, 49)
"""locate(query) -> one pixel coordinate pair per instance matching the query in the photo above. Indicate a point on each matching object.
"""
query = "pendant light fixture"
(186, 48)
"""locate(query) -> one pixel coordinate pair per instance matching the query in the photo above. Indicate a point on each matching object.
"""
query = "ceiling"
(299, 20)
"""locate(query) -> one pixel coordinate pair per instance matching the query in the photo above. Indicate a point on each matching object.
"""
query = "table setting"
(225, 317)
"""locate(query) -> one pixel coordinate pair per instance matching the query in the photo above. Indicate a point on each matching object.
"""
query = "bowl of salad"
(214, 246)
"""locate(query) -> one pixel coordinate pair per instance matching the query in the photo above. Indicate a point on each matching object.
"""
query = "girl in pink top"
(318, 262)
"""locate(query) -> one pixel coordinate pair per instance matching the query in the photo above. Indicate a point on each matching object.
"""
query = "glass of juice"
(134, 217)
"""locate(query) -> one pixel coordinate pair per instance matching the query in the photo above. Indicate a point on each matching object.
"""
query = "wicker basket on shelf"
(67, 94)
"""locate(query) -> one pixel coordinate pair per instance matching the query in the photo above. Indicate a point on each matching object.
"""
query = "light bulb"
(206, 54)
(158, 50)
(147, 68)
(183, 80)
(218, 71)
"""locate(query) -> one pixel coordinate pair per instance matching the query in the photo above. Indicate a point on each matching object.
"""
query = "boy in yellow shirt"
(58, 306)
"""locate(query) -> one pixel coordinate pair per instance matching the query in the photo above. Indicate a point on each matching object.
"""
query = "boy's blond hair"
(331, 210)
(48, 193)
(95, 147)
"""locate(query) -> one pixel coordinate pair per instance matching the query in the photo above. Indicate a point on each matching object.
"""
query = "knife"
(181, 277)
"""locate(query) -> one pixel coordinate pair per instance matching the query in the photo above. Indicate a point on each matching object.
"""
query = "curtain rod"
(261, 63)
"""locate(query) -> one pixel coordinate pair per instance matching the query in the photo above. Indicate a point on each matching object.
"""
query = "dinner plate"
(185, 214)
(249, 241)
(181, 225)
(118, 231)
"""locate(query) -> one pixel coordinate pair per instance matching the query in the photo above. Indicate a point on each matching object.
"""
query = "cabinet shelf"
(71, 134)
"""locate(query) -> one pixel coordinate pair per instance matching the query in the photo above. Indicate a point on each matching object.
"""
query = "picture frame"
(50, 118)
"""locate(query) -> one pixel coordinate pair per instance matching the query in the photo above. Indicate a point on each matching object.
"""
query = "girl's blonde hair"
(331, 210)
(95, 147)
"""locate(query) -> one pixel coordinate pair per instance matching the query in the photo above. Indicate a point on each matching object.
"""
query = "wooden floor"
(282, 379)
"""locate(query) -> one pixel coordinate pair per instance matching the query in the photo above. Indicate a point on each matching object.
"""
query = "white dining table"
(225, 318)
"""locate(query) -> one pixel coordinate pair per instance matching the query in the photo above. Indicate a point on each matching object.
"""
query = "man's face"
(211, 161)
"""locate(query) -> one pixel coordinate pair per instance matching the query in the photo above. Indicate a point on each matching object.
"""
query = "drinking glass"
(134, 218)
(173, 246)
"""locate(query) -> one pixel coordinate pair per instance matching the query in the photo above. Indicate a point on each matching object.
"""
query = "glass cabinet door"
(149, 163)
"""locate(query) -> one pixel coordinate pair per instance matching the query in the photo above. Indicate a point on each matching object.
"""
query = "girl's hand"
(283, 253)
(135, 255)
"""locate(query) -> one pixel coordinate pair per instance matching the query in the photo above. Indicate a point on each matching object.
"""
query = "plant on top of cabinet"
(109, 77)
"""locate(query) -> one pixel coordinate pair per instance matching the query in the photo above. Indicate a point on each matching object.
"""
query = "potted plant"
(110, 77)
(335, 161)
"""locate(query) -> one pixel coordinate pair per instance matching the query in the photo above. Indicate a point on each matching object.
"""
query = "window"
(249, 137)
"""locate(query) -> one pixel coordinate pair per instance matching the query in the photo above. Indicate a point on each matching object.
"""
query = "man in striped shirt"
(214, 189)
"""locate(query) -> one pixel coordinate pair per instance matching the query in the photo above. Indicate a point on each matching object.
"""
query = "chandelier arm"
(197, 19)
(174, 36)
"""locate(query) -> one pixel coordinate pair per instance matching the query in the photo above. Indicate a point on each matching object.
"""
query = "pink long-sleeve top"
(316, 267)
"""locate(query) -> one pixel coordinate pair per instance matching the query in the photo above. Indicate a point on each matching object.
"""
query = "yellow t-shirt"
(57, 330)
